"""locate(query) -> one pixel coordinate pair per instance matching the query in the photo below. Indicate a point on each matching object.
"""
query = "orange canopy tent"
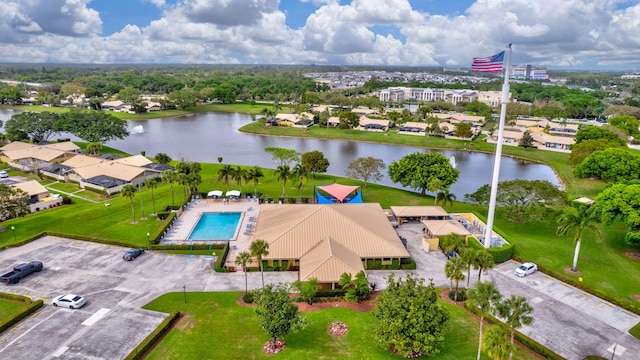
(340, 192)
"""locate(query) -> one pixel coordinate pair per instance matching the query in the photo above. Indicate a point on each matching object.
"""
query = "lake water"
(205, 137)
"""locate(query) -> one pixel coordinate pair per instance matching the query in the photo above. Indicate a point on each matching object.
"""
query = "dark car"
(132, 254)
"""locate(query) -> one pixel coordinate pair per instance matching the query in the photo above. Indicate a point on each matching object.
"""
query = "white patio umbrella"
(214, 193)
(233, 193)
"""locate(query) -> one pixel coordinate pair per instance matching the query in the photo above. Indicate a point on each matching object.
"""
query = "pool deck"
(180, 231)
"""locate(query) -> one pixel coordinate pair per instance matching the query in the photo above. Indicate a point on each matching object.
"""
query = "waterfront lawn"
(558, 161)
(215, 327)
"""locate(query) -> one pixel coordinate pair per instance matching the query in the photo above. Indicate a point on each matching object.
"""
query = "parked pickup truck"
(20, 271)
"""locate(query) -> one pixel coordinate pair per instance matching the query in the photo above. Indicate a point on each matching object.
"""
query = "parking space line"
(37, 313)
(17, 327)
(60, 351)
(95, 317)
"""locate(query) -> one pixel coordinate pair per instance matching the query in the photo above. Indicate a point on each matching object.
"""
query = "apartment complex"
(454, 96)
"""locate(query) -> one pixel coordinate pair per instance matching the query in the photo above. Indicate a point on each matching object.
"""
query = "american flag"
(491, 63)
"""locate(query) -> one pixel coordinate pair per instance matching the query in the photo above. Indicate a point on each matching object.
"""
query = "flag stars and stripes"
(491, 63)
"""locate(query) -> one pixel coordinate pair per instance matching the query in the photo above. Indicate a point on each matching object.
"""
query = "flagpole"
(496, 165)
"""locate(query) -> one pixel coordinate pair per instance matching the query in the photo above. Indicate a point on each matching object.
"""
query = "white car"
(3, 174)
(526, 269)
(70, 301)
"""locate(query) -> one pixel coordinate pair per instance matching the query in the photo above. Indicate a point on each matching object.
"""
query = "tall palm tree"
(433, 186)
(169, 177)
(141, 203)
(445, 196)
(183, 179)
(485, 297)
(578, 221)
(283, 172)
(254, 174)
(517, 312)
(152, 183)
(129, 192)
(193, 180)
(483, 260)
(243, 259)
(453, 271)
(259, 248)
(239, 174)
(300, 173)
(225, 174)
(468, 257)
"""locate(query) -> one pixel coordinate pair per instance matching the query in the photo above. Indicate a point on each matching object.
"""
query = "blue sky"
(570, 34)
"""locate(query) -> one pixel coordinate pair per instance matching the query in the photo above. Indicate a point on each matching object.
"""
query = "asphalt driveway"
(112, 323)
(568, 321)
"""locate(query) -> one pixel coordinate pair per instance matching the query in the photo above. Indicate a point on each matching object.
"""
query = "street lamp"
(149, 241)
(184, 290)
(13, 228)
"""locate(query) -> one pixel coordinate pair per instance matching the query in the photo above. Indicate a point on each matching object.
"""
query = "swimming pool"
(216, 226)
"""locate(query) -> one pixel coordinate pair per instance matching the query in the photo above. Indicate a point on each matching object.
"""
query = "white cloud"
(158, 3)
(548, 32)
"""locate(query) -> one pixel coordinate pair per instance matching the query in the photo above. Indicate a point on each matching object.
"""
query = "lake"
(205, 137)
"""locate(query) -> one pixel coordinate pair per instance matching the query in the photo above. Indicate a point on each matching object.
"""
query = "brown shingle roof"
(418, 211)
(445, 227)
(327, 261)
(293, 230)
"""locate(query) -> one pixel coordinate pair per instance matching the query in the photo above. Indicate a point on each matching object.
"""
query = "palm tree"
(496, 343)
(243, 259)
(151, 183)
(300, 173)
(445, 196)
(468, 257)
(141, 203)
(259, 248)
(484, 296)
(239, 174)
(483, 260)
(183, 179)
(453, 271)
(578, 221)
(434, 185)
(516, 312)
(225, 173)
(283, 172)
(129, 192)
(254, 174)
(169, 177)
(452, 242)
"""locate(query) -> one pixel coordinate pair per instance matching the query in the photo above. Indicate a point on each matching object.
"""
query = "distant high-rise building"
(529, 72)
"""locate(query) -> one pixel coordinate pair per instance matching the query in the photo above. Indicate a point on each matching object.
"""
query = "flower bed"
(269, 348)
(338, 328)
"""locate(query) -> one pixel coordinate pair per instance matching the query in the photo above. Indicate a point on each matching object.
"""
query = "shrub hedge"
(149, 341)
(31, 307)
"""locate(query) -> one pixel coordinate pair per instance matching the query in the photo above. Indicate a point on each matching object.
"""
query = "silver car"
(70, 301)
(526, 269)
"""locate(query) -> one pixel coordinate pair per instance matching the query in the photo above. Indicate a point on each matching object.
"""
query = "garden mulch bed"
(362, 306)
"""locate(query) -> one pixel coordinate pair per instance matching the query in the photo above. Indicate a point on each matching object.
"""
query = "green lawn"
(534, 241)
(10, 309)
(215, 327)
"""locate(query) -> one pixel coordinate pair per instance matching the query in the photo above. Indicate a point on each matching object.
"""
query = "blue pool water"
(216, 226)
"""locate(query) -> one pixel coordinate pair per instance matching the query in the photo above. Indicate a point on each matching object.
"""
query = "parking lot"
(567, 320)
(112, 322)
